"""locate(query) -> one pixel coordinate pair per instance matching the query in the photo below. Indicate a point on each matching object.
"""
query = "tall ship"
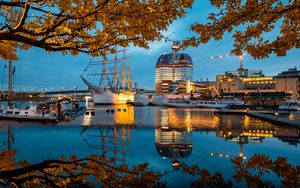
(109, 80)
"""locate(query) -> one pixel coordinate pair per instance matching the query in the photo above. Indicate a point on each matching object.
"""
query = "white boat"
(293, 105)
(113, 85)
(211, 104)
(30, 113)
(183, 104)
(219, 104)
(141, 99)
(157, 100)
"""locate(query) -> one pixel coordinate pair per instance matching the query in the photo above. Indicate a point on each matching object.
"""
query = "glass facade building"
(173, 67)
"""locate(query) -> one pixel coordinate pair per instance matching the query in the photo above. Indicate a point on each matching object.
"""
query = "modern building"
(173, 67)
(289, 82)
(243, 80)
(250, 85)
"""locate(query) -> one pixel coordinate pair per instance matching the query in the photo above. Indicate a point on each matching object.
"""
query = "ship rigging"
(113, 83)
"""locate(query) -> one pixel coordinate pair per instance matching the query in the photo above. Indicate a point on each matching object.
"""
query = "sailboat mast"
(10, 74)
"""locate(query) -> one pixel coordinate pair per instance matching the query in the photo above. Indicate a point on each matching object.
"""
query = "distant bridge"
(49, 92)
(57, 92)
(45, 95)
(41, 95)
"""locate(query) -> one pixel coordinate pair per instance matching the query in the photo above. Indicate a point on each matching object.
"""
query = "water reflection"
(8, 137)
(109, 141)
(179, 135)
(174, 129)
(173, 143)
(108, 115)
(291, 135)
(245, 133)
(188, 119)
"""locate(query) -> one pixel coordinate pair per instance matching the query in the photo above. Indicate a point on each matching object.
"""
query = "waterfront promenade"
(283, 118)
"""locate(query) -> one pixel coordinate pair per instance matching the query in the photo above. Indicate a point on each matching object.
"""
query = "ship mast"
(123, 71)
(129, 78)
(10, 74)
(104, 73)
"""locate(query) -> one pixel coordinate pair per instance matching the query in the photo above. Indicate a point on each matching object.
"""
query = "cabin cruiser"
(293, 105)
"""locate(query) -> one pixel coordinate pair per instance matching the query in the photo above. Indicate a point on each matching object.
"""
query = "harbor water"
(158, 136)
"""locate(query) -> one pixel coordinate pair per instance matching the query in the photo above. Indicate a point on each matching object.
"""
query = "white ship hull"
(109, 98)
(141, 99)
(157, 100)
(212, 105)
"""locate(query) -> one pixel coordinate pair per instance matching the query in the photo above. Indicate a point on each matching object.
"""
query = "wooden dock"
(278, 118)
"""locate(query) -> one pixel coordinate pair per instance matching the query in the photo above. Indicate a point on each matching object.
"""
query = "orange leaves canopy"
(90, 26)
(261, 17)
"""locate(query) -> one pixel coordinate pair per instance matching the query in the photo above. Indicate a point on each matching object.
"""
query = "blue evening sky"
(38, 69)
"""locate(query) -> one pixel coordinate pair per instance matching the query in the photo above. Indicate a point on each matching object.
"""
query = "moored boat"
(30, 113)
(141, 99)
(114, 87)
(157, 100)
(182, 104)
(211, 104)
(218, 104)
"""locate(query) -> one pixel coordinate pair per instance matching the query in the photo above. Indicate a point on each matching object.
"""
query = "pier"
(278, 118)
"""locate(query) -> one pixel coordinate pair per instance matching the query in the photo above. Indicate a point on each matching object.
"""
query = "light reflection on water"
(156, 135)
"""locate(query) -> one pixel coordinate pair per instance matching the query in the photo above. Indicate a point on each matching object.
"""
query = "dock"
(39, 119)
(278, 118)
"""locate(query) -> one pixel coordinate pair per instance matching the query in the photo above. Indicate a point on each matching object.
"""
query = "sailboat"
(114, 87)
(39, 112)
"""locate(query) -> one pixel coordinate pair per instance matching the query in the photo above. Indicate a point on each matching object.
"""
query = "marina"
(159, 135)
